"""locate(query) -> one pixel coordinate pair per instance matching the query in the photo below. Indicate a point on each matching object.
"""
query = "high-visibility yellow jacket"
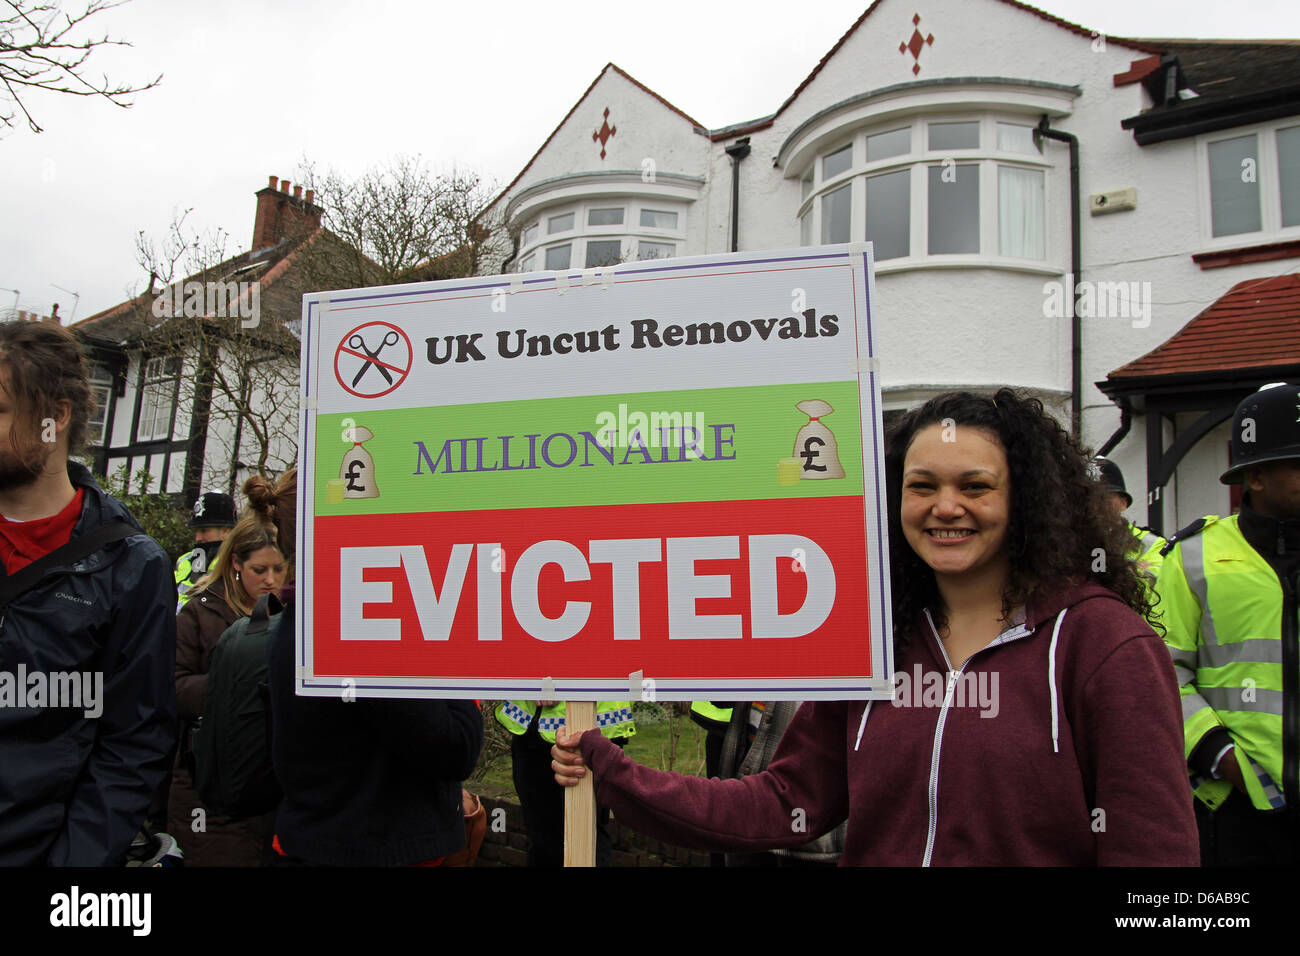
(707, 715)
(1222, 606)
(190, 566)
(1148, 549)
(613, 717)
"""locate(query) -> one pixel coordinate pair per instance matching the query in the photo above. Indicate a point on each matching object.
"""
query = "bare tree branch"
(245, 379)
(406, 223)
(40, 49)
(394, 224)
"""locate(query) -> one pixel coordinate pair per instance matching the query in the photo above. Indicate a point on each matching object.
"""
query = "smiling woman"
(975, 530)
(1025, 669)
(954, 508)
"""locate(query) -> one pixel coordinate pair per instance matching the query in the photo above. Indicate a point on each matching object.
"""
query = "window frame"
(596, 207)
(547, 250)
(586, 251)
(640, 248)
(1268, 174)
(153, 387)
(102, 402)
(630, 233)
(919, 158)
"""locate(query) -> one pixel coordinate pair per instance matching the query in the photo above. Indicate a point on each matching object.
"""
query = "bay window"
(600, 232)
(934, 186)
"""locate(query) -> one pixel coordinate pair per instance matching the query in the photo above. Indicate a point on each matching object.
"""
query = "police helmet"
(1113, 479)
(1265, 427)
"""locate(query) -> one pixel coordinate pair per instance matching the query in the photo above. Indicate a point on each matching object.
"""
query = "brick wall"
(509, 847)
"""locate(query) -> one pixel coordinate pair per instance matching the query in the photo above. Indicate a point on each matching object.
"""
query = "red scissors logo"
(361, 371)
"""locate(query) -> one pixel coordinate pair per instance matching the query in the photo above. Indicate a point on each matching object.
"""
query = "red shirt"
(22, 542)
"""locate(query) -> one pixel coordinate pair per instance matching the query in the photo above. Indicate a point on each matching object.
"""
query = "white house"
(943, 131)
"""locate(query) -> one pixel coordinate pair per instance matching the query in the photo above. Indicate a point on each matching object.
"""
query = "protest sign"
(657, 480)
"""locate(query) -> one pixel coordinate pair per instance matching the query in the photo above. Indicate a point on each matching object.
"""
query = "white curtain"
(1021, 215)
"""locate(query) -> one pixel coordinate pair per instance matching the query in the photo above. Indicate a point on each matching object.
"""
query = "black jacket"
(367, 782)
(74, 789)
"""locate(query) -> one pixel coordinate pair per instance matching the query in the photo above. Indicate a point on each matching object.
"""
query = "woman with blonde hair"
(249, 564)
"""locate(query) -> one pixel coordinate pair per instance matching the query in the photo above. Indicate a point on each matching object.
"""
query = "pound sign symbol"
(353, 474)
(809, 453)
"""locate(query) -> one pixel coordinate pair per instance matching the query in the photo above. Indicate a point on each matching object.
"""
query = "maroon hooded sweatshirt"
(1059, 744)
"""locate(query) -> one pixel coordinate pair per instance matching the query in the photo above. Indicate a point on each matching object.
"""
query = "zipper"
(1010, 634)
(934, 762)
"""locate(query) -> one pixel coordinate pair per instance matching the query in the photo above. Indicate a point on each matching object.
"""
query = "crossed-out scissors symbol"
(355, 341)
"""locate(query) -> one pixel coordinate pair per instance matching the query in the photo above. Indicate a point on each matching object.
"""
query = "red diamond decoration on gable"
(916, 43)
(604, 133)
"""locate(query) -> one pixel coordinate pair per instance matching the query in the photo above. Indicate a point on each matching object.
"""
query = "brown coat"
(222, 841)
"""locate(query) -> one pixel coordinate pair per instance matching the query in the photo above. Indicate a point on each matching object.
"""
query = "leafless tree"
(43, 48)
(179, 253)
(246, 376)
(394, 224)
(403, 222)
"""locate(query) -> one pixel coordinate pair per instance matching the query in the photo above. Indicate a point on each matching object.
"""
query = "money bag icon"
(815, 446)
(358, 468)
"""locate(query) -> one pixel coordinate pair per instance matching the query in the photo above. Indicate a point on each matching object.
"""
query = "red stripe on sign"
(699, 590)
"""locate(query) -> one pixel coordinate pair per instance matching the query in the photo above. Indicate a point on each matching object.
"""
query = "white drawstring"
(863, 726)
(1051, 678)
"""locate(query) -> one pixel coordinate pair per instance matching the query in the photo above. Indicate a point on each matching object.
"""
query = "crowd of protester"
(1147, 709)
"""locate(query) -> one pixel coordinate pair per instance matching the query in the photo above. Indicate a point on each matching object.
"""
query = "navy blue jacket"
(367, 782)
(74, 789)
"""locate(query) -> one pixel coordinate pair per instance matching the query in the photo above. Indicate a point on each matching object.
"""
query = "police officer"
(713, 717)
(214, 516)
(532, 725)
(1147, 544)
(1229, 590)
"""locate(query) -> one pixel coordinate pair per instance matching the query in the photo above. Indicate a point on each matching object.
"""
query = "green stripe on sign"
(584, 451)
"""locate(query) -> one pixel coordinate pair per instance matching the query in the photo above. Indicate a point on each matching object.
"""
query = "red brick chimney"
(280, 214)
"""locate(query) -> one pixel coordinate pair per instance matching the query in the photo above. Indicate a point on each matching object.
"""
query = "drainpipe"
(1125, 422)
(1076, 344)
(737, 151)
(514, 254)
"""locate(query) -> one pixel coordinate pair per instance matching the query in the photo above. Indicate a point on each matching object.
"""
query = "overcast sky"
(249, 88)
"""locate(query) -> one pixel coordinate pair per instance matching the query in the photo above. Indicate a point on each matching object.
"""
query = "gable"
(636, 130)
(898, 42)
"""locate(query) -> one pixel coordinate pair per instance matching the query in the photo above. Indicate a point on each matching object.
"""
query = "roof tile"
(1254, 324)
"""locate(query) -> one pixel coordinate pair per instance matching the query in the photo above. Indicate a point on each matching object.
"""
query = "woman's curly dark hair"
(1061, 530)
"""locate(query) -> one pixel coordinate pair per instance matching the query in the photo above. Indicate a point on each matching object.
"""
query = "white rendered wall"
(982, 324)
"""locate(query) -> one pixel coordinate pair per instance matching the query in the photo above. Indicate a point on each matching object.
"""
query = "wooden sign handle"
(580, 801)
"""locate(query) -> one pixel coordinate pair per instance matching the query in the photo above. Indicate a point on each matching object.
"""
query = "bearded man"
(87, 626)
